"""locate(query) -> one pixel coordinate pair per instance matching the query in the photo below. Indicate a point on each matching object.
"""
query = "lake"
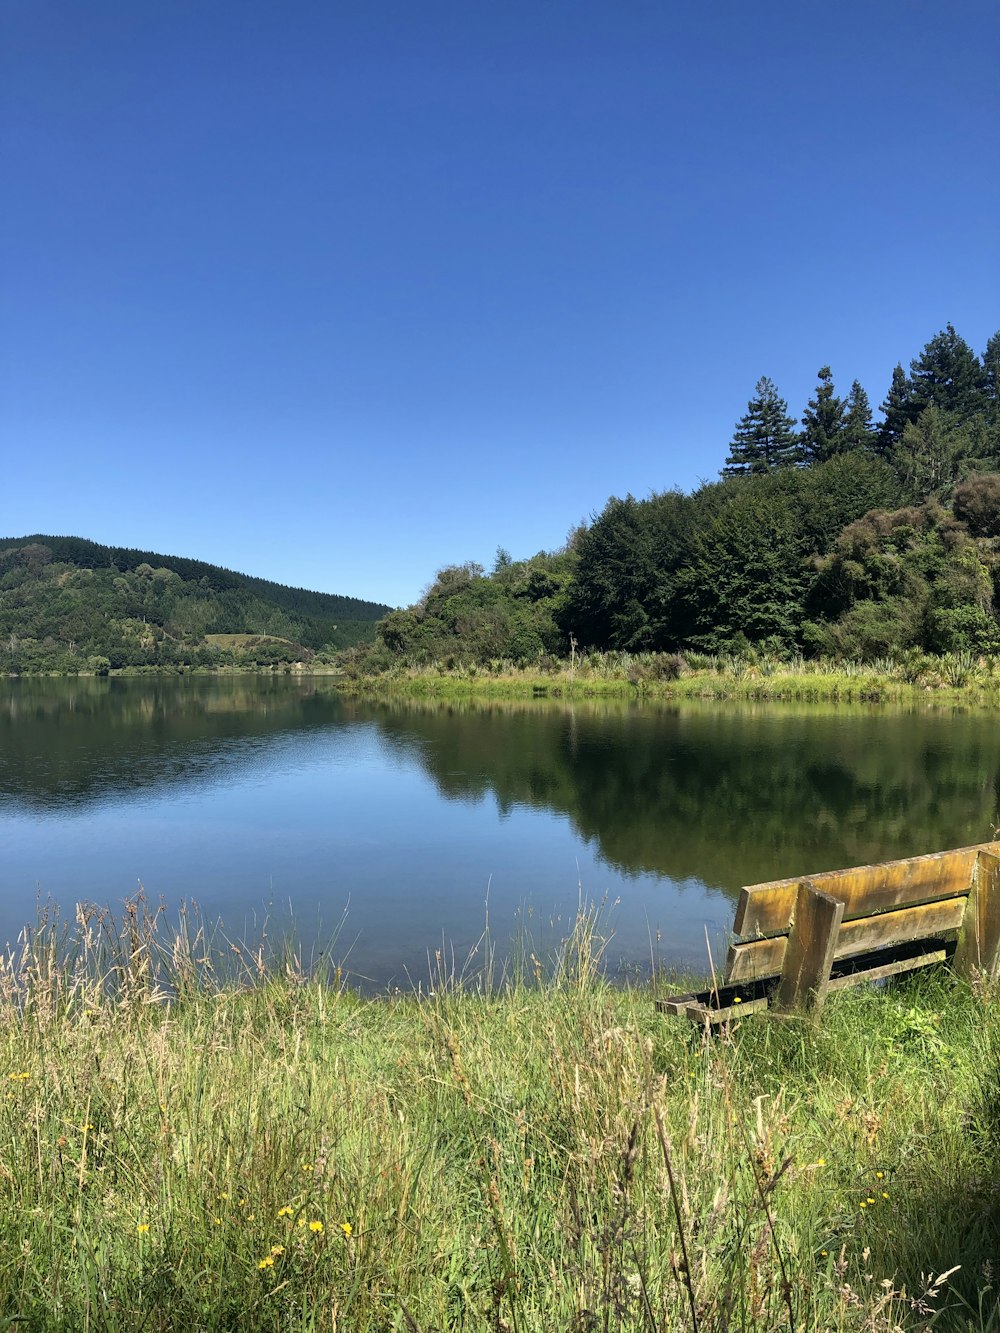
(387, 832)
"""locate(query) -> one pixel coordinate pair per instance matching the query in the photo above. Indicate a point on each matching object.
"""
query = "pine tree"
(947, 374)
(765, 436)
(900, 410)
(991, 375)
(823, 423)
(858, 432)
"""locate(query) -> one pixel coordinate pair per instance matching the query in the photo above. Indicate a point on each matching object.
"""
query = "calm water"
(394, 824)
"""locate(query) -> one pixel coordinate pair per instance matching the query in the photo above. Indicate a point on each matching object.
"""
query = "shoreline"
(698, 686)
(777, 685)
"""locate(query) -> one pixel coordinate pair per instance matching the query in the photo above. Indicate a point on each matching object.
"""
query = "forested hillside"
(67, 604)
(834, 535)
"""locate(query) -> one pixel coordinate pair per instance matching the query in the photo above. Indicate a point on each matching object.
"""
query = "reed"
(199, 1135)
(955, 679)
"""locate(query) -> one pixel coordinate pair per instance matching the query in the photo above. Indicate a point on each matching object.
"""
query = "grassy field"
(193, 1139)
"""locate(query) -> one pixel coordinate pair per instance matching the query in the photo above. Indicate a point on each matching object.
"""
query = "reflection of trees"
(66, 742)
(727, 795)
(723, 794)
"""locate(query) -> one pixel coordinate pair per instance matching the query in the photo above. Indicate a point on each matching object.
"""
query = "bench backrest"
(895, 902)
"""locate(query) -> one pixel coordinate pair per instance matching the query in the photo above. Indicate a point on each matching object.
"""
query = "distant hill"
(71, 604)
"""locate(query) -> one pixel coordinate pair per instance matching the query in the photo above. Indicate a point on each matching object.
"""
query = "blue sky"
(338, 294)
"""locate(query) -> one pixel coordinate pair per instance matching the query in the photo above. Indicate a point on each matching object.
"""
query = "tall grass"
(755, 675)
(193, 1143)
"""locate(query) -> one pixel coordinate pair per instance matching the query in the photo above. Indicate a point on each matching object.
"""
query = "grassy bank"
(270, 1151)
(954, 679)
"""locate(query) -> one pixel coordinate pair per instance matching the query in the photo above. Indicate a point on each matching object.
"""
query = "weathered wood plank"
(979, 939)
(887, 970)
(754, 959)
(812, 938)
(765, 909)
(700, 1012)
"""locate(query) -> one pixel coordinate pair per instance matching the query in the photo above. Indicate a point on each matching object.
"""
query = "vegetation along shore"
(199, 1138)
(843, 540)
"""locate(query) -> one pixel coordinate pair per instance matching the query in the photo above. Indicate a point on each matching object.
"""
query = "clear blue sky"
(338, 293)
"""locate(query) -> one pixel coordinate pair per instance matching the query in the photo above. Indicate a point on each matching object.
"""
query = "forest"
(835, 535)
(70, 605)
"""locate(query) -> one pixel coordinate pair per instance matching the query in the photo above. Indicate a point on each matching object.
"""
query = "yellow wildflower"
(316, 1226)
(267, 1261)
(277, 1249)
(142, 1228)
(347, 1229)
(286, 1211)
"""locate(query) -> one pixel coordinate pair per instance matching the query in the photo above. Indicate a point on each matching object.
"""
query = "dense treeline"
(838, 536)
(67, 604)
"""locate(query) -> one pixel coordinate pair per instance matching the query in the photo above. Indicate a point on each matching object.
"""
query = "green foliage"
(858, 432)
(765, 436)
(65, 608)
(467, 616)
(913, 578)
(947, 375)
(929, 456)
(977, 504)
(898, 411)
(824, 422)
(746, 574)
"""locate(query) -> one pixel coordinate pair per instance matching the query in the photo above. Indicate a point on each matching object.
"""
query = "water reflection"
(65, 743)
(728, 795)
(244, 790)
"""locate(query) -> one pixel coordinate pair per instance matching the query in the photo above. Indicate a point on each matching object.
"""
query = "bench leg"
(978, 948)
(812, 940)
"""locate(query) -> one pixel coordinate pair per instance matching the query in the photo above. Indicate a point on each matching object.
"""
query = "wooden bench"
(799, 939)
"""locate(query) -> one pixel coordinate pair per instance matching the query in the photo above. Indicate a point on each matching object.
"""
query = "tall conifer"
(991, 375)
(948, 374)
(858, 432)
(765, 436)
(823, 422)
(899, 410)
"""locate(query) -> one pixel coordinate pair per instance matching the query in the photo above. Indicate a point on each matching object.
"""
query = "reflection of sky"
(337, 820)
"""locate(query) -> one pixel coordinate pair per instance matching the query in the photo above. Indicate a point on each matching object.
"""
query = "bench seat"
(799, 939)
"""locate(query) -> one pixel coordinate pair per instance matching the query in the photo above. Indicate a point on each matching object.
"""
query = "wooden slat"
(699, 1012)
(979, 940)
(766, 909)
(888, 970)
(805, 971)
(766, 958)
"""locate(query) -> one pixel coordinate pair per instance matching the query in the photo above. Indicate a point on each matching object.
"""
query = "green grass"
(950, 680)
(191, 1143)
